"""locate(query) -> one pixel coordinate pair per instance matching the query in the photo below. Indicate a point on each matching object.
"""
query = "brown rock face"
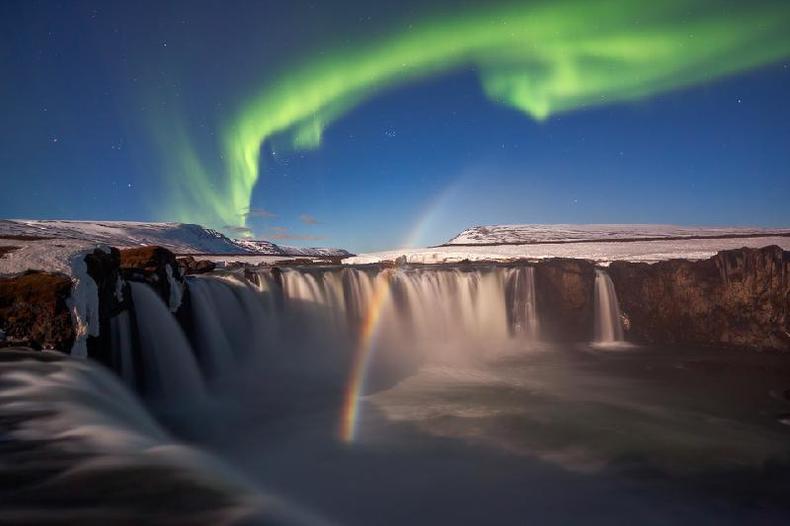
(564, 297)
(191, 265)
(33, 310)
(147, 259)
(7, 250)
(149, 264)
(738, 297)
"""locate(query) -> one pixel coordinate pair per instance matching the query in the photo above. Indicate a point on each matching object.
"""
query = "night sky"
(368, 126)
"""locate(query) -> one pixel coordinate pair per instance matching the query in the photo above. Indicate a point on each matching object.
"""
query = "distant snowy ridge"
(181, 238)
(267, 248)
(600, 243)
(561, 233)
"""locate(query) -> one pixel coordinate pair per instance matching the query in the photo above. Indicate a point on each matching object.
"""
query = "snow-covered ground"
(603, 252)
(48, 255)
(252, 259)
(181, 238)
(262, 247)
(531, 234)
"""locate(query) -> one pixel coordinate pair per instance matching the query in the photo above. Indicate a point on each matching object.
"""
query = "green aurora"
(539, 58)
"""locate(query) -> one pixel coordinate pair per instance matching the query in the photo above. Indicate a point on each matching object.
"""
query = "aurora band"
(540, 58)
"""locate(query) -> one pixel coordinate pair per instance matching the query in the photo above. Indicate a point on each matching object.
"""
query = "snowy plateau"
(600, 243)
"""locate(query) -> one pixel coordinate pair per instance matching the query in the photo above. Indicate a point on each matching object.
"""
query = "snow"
(177, 237)
(603, 252)
(600, 243)
(181, 238)
(258, 260)
(531, 234)
(267, 248)
(83, 304)
(260, 246)
(315, 252)
(53, 255)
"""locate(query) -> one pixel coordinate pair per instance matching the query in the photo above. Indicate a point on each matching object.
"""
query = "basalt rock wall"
(736, 298)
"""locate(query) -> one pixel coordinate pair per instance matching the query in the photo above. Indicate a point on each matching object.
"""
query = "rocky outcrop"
(159, 268)
(34, 310)
(104, 268)
(35, 307)
(7, 250)
(190, 265)
(738, 298)
(564, 296)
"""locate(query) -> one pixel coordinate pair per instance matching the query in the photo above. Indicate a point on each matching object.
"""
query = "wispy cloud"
(282, 233)
(307, 219)
(297, 237)
(238, 230)
(257, 212)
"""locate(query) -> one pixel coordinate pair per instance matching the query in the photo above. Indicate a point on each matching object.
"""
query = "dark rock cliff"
(564, 297)
(738, 297)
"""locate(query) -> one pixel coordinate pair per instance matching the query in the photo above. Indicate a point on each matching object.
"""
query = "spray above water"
(608, 319)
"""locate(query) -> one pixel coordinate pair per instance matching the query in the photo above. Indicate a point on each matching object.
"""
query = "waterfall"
(121, 338)
(72, 426)
(170, 370)
(212, 344)
(230, 321)
(523, 304)
(482, 305)
(608, 326)
(303, 317)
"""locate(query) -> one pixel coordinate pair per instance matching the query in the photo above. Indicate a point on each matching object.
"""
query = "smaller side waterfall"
(608, 327)
(170, 370)
(522, 303)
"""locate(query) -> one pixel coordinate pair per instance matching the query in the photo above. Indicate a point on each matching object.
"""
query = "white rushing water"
(230, 321)
(122, 349)
(170, 369)
(80, 448)
(480, 305)
(608, 324)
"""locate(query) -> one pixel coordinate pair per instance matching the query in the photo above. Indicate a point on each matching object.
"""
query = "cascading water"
(477, 305)
(121, 338)
(449, 313)
(170, 370)
(524, 311)
(608, 326)
(212, 344)
(230, 318)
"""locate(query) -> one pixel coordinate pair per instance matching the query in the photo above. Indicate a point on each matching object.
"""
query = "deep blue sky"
(83, 83)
